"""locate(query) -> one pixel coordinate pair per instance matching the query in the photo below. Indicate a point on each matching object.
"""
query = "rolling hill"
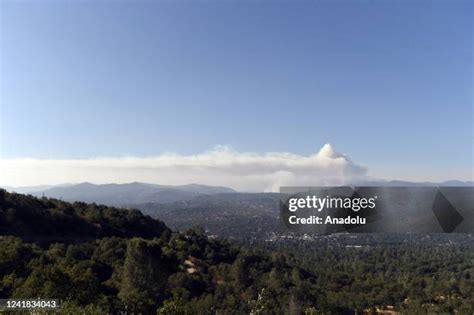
(125, 194)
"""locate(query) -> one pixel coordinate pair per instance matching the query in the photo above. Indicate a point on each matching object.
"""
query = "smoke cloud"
(243, 171)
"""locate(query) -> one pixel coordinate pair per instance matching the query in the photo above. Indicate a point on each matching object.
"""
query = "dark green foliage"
(145, 274)
(111, 265)
(47, 220)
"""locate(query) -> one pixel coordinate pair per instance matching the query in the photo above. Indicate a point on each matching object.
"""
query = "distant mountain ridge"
(125, 194)
(27, 189)
(137, 193)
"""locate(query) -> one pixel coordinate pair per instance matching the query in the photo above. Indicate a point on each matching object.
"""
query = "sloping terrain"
(124, 194)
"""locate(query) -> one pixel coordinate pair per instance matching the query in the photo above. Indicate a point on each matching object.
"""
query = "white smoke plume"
(221, 166)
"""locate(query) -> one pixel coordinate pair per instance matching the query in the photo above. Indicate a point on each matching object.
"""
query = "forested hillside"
(52, 219)
(100, 260)
(134, 263)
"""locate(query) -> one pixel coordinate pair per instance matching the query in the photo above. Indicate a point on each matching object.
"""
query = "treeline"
(183, 274)
(423, 278)
(135, 264)
(44, 219)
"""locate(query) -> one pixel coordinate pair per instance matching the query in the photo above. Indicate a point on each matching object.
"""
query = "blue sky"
(389, 83)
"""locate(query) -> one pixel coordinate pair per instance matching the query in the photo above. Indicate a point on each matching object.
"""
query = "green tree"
(145, 275)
